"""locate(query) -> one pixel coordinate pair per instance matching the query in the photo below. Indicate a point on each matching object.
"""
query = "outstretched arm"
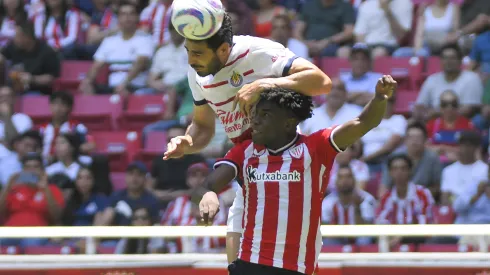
(348, 133)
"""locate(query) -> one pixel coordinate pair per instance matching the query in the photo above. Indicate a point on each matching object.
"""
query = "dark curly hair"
(300, 105)
(224, 35)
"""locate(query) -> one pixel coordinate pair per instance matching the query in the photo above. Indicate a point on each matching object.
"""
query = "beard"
(345, 190)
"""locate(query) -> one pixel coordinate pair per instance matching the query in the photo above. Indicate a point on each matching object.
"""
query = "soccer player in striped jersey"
(284, 176)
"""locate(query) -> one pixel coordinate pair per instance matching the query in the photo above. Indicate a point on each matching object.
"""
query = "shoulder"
(258, 44)
(395, 119)
(141, 36)
(330, 199)
(367, 197)
(451, 168)
(434, 78)
(21, 117)
(470, 75)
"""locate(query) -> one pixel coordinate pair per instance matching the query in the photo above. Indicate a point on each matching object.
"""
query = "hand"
(122, 90)
(249, 94)
(43, 182)
(482, 187)
(86, 87)
(208, 207)
(384, 4)
(452, 37)
(26, 78)
(176, 147)
(385, 87)
(5, 110)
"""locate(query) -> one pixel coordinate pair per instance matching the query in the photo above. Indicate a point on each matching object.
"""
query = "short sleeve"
(327, 210)
(22, 123)
(398, 125)
(446, 181)
(195, 88)
(424, 96)
(234, 158)
(101, 53)
(404, 12)
(323, 144)
(473, 94)
(235, 213)
(272, 58)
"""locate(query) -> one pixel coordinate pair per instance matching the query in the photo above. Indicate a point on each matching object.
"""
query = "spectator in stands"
(244, 15)
(386, 137)
(466, 84)
(361, 82)
(444, 131)
(59, 25)
(282, 32)
(155, 19)
(334, 111)
(327, 27)
(11, 124)
(29, 200)
(11, 11)
(61, 105)
(85, 205)
(128, 55)
(382, 24)
(34, 7)
(263, 17)
(34, 65)
(169, 178)
(406, 202)
(427, 167)
(348, 205)
(350, 157)
(466, 171)
(123, 202)
(141, 217)
(434, 23)
(169, 65)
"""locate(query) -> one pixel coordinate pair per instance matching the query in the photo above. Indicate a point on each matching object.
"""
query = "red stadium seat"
(405, 100)
(42, 250)
(405, 70)
(334, 66)
(443, 214)
(444, 248)
(141, 111)
(339, 249)
(98, 112)
(106, 250)
(11, 250)
(119, 146)
(73, 72)
(118, 180)
(432, 65)
(37, 108)
(155, 145)
(370, 248)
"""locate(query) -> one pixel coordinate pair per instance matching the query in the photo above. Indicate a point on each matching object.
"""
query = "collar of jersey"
(285, 147)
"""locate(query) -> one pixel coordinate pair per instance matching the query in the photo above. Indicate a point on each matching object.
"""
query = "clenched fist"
(385, 87)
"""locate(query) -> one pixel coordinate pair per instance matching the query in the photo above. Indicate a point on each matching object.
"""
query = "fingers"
(207, 212)
(172, 147)
(235, 102)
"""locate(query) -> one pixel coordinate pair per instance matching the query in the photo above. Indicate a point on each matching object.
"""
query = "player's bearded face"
(214, 65)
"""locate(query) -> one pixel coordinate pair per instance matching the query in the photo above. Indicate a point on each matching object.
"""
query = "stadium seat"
(37, 108)
(155, 145)
(443, 248)
(334, 66)
(49, 249)
(339, 249)
(11, 250)
(141, 111)
(73, 72)
(443, 214)
(406, 71)
(119, 146)
(106, 250)
(98, 112)
(370, 248)
(405, 101)
(118, 180)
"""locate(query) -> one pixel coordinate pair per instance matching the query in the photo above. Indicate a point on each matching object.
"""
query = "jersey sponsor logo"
(254, 176)
(231, 120)
(236, 79)
(296, 151)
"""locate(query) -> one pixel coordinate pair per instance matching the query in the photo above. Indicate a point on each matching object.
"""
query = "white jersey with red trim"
(251, 58)
(282, 199)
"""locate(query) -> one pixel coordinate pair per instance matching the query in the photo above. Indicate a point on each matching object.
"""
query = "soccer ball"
(197, 19)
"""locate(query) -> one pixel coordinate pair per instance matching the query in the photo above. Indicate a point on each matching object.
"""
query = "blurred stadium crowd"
(94, 89)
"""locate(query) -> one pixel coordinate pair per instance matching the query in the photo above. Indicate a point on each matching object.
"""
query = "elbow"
(324, 84)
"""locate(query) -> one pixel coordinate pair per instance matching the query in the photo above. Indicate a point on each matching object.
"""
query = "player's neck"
(281, 142)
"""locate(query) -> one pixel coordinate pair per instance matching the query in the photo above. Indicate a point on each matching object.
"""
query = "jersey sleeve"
(327, 207)
(233, 158)
(272, 59)
(323, 144)
(235, 213)
(195, 88)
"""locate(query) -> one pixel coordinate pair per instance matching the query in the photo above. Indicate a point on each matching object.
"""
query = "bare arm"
(396, 28)
(42, 80)
(94, 70)
(388, 147)
(345, 35)
(10, 130)
(232, 245)
(140, 65)
(419, 32)
(215, 182)
(201, 130)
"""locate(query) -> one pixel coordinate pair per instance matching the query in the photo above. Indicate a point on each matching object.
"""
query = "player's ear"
(223, 50)
(291, 124)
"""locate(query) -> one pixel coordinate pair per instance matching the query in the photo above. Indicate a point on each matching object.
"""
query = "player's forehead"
(197, 46)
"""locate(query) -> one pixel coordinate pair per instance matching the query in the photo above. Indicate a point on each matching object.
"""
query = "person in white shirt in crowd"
(28, 142)
(155, 20)
(382, 24)
(282, 32)
(11, 123)
(10, 12)
(468, 170)
(334, 111)
(128, 55)
(348, 205)
(360, 83)
(385, 138)
(169, 64)
(349, 157)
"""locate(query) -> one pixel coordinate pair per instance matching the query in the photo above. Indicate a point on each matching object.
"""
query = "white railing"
(380, 231)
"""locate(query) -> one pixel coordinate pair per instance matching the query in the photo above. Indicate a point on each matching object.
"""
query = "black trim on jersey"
(200, 102)
(284, 148)
(288, 66)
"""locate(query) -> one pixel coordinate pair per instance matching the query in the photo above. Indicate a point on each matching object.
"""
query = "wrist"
(380, 97)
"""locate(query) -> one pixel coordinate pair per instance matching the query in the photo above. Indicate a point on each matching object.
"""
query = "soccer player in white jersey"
(284, 176)
(229, 71)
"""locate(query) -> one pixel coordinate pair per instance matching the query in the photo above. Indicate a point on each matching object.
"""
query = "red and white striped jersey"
(49, 134)
(251, 58)
(283, 192)
(334, 212)
(56, 35)
(156, 17)
(182, 212)
(414, 209)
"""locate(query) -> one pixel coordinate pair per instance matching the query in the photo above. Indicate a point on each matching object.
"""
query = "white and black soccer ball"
(197, 19)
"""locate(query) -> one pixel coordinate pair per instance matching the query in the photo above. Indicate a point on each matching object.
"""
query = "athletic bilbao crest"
(236, 79)
(296, 151)
(254, 176)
